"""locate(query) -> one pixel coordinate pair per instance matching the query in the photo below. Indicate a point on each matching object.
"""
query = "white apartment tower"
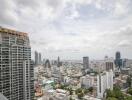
(16, 67)
(104, 81)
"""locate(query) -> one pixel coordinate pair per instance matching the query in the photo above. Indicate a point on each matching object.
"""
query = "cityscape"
(65, 50)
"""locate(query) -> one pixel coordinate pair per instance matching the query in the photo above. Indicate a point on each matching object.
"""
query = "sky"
(72, 29)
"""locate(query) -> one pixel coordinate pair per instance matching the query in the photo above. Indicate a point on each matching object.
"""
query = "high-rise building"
(36, 58)
(104, 81)
(40, 58)
(109, 63)
(118, 55)
(16, 67)
(85, 62)
(47, 63)
(118, 60)
(47, 68)
(59, 63)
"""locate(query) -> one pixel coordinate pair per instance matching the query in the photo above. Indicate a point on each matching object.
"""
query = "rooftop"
(13, 32)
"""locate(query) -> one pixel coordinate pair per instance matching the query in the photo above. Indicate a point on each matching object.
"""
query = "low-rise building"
(87, 81)
(58, 94)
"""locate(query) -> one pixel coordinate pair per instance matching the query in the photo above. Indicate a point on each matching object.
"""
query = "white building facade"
(104, 81)
(87, 81)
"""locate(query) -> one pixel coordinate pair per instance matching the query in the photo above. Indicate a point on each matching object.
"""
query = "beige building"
(16, 67)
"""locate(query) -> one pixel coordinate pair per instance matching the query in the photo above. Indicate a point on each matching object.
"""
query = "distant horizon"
(81, 58)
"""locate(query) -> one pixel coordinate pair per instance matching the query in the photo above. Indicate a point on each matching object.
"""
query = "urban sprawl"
(22, 78)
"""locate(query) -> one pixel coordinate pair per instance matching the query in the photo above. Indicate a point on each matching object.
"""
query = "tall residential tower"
(104, 81)
(16, 67)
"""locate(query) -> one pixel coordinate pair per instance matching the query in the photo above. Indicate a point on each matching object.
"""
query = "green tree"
(116, 93)
(128, 81)
(128, 98)
(117, 87)
(111, 98)
(71, 98)
(80, 95)
(85, 91)
(90, 89)
(110, 93)
(79, 90)
(70, 91)
(129, 91)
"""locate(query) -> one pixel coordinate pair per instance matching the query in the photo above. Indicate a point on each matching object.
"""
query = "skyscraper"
(85, 62)
(47, 63)
(118, 60)
(36, 58)
(118, 55)
(16, 67)
(40, 58)
(58, 62)
(47, 67)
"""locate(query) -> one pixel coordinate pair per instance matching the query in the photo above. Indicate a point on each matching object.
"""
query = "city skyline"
(101, 27)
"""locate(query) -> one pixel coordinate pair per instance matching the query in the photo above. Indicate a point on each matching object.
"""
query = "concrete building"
(87, 81)
(118, 60)
(16, 67)
(90, 98)
(56, 74)
(104, 81)
(127, 63)
(121, 81)
(58, 94)
(36, 58)
(47, 68)
(40, 60)
(58, 62)
(85, 62)
(66, 80)
(109, 64)
(126, 71)
(98, 65)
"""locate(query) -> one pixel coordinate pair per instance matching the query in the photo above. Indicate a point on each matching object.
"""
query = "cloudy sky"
(72, 29)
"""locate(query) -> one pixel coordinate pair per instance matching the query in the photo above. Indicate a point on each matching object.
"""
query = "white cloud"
(121, 7)
(57, 27)
(125, 43)
(74, 13)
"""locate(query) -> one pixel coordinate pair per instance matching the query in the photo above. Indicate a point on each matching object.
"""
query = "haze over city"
(65, 49)
(72, 29)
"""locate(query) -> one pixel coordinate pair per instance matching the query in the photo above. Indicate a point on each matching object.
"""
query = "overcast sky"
(72, 29)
